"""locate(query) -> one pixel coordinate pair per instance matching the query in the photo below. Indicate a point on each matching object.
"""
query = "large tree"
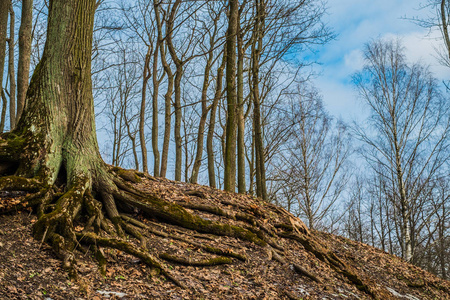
(53, 155)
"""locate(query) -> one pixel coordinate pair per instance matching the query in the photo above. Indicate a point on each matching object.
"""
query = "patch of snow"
(302, 290)
(345, 293)
(396, 294)
(108, 294)
(340, 295)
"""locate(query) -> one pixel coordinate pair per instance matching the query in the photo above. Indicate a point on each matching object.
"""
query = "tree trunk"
(59, 106)
(23, 69)
(201, 129)
(259, 145)
(11, 68)
(155, 111)
(145, 77)
(177, 126)
(230, 143)
(240, 115)
(4, 6)
(56, 139)
(177, 85)
(212, 122)
(252, 172)
(4, 107)
(444, 26)
(167, 96)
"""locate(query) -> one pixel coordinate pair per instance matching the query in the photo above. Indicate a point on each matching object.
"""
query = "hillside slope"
(292, 263)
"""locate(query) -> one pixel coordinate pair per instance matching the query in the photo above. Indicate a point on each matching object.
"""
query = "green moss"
(19, 183)
(176, 214)
(101, 261)
(222, 252)
(215, 261)
(285, 227)
(127, 175)
(246, 218)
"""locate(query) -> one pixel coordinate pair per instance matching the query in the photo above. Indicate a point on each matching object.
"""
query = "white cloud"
(357, 22)
(422, 47)
(354, 61)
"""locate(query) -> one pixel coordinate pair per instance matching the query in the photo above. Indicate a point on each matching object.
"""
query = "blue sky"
(356, 22)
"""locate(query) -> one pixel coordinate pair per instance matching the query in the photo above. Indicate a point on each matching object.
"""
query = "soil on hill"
(296, 263)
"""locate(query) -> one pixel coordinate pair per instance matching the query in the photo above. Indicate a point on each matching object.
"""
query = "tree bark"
(167, 96)
(145, 77)
(23, 69)
(177, 86)
(259, 145)
(59, 106)
(240, 114)
(4, 8)
(155, 110)
(4, 107)
(230, 143)
(204, 100)
(444, 25)
(212, 122)
(11, 68)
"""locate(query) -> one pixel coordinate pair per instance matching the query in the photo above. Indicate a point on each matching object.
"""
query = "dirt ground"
(30, 270)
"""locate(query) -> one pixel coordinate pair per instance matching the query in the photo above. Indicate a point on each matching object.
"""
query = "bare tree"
(214, 39)
(314, 161)
(407, 140)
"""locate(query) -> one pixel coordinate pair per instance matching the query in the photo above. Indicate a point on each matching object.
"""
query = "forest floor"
(30, 270)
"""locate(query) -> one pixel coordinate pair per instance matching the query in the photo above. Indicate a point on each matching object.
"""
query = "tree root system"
(126, 211)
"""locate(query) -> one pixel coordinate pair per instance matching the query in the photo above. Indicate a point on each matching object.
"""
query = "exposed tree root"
(207, 248)
(188, 262)
(19, 183)
(129, 248)
(297, 268)
(288, 294)
(103, 202)
(332, 260)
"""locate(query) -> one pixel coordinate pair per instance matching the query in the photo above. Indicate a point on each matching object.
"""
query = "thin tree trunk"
(186, 137)
(212, 122)
(4, 108)
(167, 117)
(251, 190)
(115, 140)
(259, 145)
(167, 96)
(12, 76)
(145, 77)
(404, 203)
(177, 127)
(240, 115)
(155, 111)
(177, 86)
(441, 244)
(201, 129)
(444, 27)
(132, 137)
(23, 69)
(4, 5)
(230, 142)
